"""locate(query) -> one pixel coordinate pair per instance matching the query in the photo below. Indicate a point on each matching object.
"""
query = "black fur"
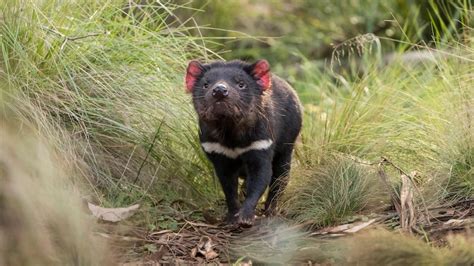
(248, 114)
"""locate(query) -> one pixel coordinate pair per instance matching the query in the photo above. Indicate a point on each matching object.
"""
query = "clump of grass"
(459, 149)
(331, 192)
(417, 115)
(43, 220)
(109, 78)
(414, 114)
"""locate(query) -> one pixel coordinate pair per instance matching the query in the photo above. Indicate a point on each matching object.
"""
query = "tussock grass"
(332, 191)
(416, 114)
(108, 78)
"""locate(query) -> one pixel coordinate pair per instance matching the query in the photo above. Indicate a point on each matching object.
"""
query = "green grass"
(335, 189)
(416, 114)
(108, 81)
(281, 31)
(460, 178)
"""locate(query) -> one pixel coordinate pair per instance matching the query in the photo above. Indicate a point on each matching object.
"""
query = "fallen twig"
(426, 213)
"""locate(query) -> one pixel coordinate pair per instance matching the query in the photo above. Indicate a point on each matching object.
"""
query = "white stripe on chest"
(216, 147)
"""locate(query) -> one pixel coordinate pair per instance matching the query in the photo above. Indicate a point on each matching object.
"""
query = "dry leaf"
(193, 252)
(359, 227)
(204, 248)
(112, 214)
(344, 228)
(339, 228)
(211, 255)
(455, 222)
(407, 214)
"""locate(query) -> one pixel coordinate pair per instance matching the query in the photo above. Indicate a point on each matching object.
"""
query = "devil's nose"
(220, 91)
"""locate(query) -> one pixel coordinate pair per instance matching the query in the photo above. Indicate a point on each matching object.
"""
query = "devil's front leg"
(259, 173)
(227, 170)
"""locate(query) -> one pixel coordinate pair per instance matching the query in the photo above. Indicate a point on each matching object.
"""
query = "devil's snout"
(220, 91)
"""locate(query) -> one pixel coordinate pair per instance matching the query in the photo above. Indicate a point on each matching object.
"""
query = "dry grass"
(43, 220)
(381, 247)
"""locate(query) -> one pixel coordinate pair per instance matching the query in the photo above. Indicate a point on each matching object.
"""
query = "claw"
(245, 219)
(246, 223)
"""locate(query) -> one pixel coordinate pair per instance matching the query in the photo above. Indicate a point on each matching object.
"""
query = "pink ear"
(193, 71)
(261, 71)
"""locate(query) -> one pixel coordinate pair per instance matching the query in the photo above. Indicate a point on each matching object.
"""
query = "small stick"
(393, 195)
(385, 160)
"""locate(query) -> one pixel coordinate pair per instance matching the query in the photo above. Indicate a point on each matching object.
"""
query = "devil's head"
(227, 90)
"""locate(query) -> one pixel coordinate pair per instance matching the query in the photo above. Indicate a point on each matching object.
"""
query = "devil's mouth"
(219, 101)
(221, 107)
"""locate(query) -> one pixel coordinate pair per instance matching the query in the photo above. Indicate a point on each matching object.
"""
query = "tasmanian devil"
(249, 120)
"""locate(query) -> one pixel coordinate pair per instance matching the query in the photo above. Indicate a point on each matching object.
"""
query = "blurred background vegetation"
(286, 32)
(99, 84)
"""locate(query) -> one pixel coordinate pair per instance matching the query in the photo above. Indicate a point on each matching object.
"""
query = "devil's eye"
(241, 84)
(206, 85)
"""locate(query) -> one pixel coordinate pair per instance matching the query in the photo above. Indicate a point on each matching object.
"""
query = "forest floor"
(277, 240)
